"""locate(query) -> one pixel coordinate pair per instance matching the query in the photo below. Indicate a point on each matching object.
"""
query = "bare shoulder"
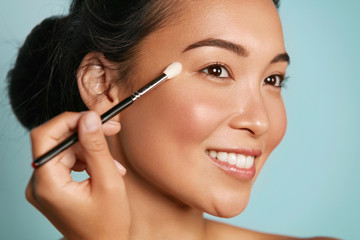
(217, 230)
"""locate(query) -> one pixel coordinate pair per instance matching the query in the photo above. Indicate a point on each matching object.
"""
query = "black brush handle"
(74, 138)
(105, 117)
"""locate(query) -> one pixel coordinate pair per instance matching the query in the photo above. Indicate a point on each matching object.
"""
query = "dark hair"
(277, 3)
(43, 83)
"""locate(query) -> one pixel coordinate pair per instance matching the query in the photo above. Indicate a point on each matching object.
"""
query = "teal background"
(310, 184)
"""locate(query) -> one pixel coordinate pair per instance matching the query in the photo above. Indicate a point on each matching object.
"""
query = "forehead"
(235, 20)
(254, 24)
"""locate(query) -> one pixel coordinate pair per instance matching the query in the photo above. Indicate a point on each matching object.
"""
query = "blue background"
(310, 184)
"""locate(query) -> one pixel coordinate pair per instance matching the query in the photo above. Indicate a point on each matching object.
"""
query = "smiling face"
(203, 137)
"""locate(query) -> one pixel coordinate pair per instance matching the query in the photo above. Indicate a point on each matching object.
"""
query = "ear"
(95, 79)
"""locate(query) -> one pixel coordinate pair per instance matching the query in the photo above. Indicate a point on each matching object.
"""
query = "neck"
(156, 215)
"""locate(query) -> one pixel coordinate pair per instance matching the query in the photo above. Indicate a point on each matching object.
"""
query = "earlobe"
(95, 81)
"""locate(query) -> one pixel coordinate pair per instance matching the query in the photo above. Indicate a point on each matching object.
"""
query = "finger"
(111, 128)
(29, 192)
(55, 173)
(75, 164)
(95, 152)
(120, 168)
(54, 131)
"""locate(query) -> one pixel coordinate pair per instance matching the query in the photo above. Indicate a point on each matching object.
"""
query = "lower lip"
(239, 173)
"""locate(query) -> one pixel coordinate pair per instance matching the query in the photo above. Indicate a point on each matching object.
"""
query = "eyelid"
(225, 66)
(282, 79)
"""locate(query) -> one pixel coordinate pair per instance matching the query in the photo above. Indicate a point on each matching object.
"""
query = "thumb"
(95, 152)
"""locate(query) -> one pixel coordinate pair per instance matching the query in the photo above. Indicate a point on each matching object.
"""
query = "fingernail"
(92, 122)
(120, 167)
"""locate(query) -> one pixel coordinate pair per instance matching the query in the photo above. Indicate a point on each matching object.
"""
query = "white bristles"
(173, 70)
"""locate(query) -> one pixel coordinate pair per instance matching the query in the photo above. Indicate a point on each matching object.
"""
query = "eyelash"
(223, 70)
(280, 81)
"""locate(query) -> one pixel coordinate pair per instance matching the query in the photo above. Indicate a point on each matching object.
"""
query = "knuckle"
(68, 114)
(37, 193)
(35, 133)
(43, 192)
(111, 188)
(29, 194)
(96, 145)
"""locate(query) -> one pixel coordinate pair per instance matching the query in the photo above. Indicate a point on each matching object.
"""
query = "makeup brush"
(171, 71)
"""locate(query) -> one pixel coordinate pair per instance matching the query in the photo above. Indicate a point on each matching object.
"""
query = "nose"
(251, 116)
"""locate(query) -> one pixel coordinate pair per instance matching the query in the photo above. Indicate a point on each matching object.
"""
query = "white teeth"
(249, 162)
(240, 160)
(222, 156)
(231, 159)
(213, 154)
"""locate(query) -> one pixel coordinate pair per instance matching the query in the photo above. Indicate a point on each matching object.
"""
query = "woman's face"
(203, 137)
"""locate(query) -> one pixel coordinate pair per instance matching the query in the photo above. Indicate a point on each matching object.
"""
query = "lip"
(242, 174)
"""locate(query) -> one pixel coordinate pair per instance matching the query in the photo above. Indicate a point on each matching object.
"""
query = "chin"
(228, 206)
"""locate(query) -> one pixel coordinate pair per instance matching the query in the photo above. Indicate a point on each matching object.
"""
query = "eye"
(274, 80)
(217, 70)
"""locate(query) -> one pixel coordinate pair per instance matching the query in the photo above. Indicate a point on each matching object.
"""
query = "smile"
(238, 160)
(238, 165)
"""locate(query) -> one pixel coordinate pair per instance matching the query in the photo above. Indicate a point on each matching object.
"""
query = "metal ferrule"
(135, 95)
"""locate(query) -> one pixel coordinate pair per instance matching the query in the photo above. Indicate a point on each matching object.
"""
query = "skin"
(195, 112)
(170, 180)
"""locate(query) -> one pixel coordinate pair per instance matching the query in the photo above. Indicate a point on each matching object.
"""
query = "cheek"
(190, 116)
(167, 128)
(181, 113)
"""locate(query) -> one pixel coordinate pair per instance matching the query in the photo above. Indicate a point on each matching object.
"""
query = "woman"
(195, 144)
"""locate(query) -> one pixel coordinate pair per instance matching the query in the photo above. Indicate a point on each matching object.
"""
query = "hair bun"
(36, 72)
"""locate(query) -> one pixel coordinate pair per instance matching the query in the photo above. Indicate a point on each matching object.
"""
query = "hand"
(96, 208)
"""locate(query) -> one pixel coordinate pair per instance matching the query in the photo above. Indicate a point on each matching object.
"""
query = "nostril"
(249, 130)
(251, 123)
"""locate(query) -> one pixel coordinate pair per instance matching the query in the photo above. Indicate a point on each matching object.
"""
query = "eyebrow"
(233, 47)
(282, 57)
(213, 42)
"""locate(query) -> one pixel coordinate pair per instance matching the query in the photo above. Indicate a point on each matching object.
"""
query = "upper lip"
(244, 151)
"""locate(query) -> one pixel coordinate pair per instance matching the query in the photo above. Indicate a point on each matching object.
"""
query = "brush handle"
(74, 138)
(105, 117)
(55, 151)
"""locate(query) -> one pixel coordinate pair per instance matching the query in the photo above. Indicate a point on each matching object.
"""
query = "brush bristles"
(173, 70)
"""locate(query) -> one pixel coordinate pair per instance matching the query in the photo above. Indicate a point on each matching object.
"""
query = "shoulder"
(217, 230)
